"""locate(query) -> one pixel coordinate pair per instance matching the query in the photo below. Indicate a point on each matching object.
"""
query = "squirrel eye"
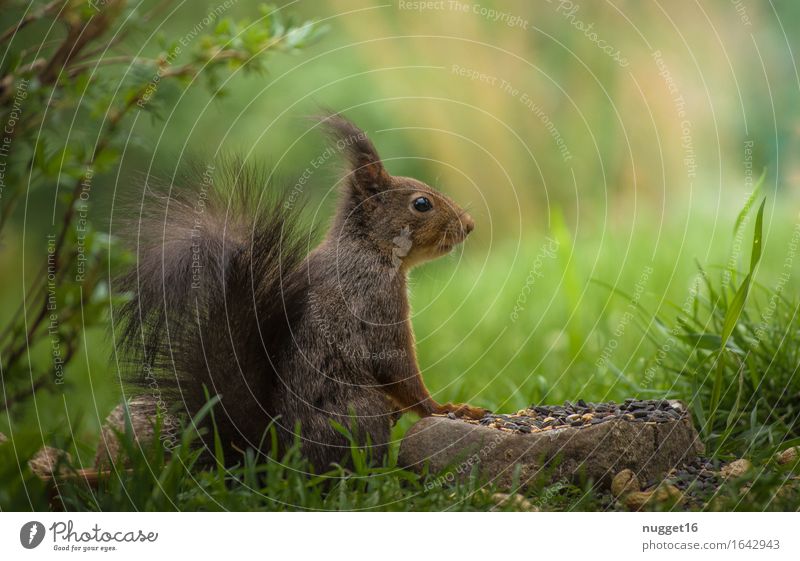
(422, 204)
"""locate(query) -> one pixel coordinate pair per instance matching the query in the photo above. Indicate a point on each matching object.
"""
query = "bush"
(69, 88)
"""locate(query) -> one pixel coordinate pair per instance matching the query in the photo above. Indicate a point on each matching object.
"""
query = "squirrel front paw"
(464, 410)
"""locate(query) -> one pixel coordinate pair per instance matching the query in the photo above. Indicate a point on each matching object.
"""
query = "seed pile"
(699, 478)
(538, 418)
(692, 484)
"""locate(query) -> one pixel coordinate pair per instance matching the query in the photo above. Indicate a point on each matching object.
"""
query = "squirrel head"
(407, 220)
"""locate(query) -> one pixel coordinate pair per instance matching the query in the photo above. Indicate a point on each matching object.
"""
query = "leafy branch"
(86, 73)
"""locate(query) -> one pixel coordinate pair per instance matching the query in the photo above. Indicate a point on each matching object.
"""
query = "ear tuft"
(369, 175)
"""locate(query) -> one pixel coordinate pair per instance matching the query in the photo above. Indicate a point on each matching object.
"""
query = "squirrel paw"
(464, 410)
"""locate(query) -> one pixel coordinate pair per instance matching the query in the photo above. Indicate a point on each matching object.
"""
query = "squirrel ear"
(369, 175)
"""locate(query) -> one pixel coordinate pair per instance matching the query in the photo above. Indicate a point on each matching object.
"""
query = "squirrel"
(226, 302)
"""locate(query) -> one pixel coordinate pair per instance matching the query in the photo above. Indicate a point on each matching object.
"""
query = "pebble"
(637, 500)
(788, 456)
(516, 500)
(625, 482)
(45, 461)
(736, 468)
(661, 494)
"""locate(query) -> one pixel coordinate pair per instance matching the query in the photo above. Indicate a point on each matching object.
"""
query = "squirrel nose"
(467, 223)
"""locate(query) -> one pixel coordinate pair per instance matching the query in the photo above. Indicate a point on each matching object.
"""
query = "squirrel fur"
(227, 302)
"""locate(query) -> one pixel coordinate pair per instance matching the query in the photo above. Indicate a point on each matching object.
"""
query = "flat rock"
(453, 448)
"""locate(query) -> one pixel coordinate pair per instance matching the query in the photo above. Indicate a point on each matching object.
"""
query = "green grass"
(734, 350)
(479, 341)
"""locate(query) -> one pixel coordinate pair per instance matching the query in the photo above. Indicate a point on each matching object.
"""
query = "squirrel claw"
(465, 410)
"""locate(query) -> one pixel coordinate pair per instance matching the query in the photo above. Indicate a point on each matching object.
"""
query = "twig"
(77, 68)
(113, 121)
(19, 396)
(38, 14)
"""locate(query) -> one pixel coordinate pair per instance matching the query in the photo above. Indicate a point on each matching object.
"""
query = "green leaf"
(755, 376)
(737, 304)
(748, 204)
(219, 454)
(734, 414)
(716, 390)
(708, 342)
(712, 294)
(735, 310)
(755, 256)
(223, 27)
(39, 153)
(700, 415)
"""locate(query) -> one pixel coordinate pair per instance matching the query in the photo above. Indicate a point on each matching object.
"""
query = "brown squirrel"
(225, 302)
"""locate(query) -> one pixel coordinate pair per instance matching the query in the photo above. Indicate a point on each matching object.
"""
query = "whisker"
(442, 241)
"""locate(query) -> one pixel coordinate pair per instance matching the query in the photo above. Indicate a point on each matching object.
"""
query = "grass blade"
(734, 310)
(737, 304)
(748, 204)
(755, 256)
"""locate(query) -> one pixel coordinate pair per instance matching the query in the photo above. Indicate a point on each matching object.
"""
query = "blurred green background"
(591, 141)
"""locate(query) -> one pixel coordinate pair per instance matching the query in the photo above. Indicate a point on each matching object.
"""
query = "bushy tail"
(215, 291)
